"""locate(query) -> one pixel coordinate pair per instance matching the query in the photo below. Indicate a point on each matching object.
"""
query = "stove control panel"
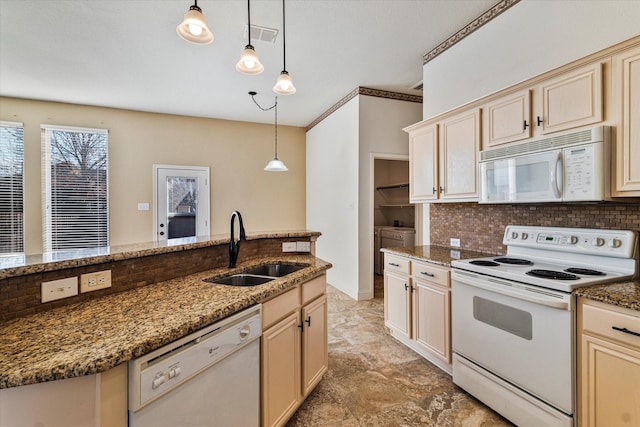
(613, 243)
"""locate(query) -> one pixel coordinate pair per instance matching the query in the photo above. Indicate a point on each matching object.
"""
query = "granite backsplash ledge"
(20, 293)
(481, 227)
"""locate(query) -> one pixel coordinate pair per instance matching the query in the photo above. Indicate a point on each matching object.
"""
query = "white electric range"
(513, 317)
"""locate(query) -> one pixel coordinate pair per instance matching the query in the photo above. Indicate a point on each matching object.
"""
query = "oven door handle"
(508, 289)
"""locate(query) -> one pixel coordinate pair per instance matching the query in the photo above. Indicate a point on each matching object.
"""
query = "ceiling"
(126, 53)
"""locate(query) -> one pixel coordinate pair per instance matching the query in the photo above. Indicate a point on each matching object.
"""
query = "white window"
(11, 188)
(75, 188)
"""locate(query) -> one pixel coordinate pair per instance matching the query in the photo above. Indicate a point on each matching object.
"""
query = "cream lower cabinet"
(417, 307)
(608, 365)
(294, 349)
(90, 400)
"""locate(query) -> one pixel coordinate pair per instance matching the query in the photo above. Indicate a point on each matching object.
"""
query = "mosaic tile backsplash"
(481, 227)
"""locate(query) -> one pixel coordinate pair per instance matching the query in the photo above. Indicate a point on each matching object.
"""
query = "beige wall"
(235, 152)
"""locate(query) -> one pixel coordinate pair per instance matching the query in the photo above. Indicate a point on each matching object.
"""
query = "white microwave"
(574, 167)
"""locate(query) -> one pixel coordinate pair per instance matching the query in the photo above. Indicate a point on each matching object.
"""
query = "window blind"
(75, 188)
(11, 188)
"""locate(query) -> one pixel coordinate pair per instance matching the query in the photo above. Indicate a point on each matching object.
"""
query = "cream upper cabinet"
(609, 365)
(459, 143)
(508, 119)
(423, 164)
(626, 100)
(443, 159)
(569, 100)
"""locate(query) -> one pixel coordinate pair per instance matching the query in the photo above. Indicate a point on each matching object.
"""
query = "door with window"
(181, 201)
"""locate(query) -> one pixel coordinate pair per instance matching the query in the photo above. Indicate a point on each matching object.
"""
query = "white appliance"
(208, 378)
(569, 168)
(394, 237)
(513, 317)
(377, 255)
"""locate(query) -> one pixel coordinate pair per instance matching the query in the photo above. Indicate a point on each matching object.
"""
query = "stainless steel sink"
(274, 270)
(256, 275)
(240, 280)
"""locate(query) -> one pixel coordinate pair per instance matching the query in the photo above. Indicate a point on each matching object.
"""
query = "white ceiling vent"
(417, 86)
(262, 34)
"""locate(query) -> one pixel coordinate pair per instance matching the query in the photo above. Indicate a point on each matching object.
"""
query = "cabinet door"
(610, 384)
(281, 392)
(423, 164)
(432, 318)
(396, 304)
(507, 119)
(459, 144)
(315, 347)
(626, 95)
(571, 100)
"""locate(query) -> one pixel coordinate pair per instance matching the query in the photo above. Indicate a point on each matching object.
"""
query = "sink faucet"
(234, 246)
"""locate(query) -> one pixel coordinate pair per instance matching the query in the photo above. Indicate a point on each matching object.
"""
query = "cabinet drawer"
(279, 307)
(432, 273)
(396, 263)
(601, 321)
(314, 288)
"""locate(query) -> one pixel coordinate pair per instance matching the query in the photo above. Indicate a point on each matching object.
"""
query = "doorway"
(181, 201)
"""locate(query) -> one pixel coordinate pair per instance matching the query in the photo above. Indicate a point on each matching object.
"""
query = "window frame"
(19, 248)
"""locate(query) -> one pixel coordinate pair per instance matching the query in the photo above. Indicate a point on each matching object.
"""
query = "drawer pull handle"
(394, 264)
(626, 331)
(427, 274)
(308, 321)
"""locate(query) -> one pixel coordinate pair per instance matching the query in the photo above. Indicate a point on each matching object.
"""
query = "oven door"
(528, 178)
(520, 333)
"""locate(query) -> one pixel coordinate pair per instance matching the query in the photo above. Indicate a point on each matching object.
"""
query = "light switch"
(57, 289)
(289, 247)
(303, 246)
(143, 206)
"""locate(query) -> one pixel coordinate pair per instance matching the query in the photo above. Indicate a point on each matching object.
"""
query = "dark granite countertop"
(623, 294)
(99, 334)
(440, 255)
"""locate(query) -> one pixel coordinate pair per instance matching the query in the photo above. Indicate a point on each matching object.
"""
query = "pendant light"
(284, 84)
(275, 165)
(194, 28)
(249, 62)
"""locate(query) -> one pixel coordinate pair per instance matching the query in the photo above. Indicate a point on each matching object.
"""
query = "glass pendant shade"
(284, 84)
(276, 165)
(194, 28)
(249, 62)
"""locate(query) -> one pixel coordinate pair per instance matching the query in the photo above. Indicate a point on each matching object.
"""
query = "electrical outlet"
(455, 243)
(57, 289)
(303, 246)
(289, 247)
(94, 281)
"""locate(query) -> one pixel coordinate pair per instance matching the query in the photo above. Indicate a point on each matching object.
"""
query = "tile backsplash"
(480, 227)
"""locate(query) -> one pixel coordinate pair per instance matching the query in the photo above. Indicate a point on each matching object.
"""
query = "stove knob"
(525, 236)
(573, 240)
(514, 235)
(614, 243)
(597, 241)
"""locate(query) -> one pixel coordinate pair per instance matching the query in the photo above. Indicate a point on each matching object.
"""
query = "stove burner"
(514, 261)
(585, 271)
(550, 274)
(484, 263)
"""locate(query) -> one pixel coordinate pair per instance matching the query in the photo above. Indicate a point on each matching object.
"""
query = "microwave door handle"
(556, 176)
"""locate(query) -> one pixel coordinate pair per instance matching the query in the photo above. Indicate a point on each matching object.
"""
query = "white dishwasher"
(208, 378)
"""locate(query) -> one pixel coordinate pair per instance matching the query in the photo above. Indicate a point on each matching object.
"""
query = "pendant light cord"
(249, 19)
(284, 39)
(275, 105)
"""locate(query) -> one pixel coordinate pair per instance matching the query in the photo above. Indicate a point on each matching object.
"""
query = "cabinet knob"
(526, 125)
(406, 286)
(441, 189)
(434, 190)
(540, 121)
(308, 321)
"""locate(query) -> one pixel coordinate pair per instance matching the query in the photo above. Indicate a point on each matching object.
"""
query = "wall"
(332, 193)
(340, 155)
(481, 227)
(236, 153)
(528, 39)
(381, 136)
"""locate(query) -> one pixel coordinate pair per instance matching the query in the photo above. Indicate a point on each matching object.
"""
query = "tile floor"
(375, 381)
